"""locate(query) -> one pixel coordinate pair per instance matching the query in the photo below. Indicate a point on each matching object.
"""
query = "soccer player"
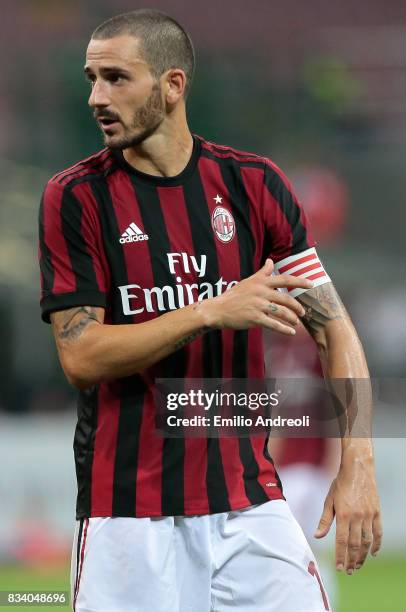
(157, 259)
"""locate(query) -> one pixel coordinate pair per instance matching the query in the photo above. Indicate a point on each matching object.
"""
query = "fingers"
(377, 534)
(268, 267)
(269, 283)
(284, 300)
(366, 541)
(342, 535)
(354, 540)
(326, 519)
(268, 322)
(287, 281)
(281, 312)
(354, 546)
(282, 281)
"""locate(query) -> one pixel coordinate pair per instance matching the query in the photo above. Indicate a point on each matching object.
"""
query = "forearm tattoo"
(72, 327)
(192, 336)
(183, 341)
(322, 304)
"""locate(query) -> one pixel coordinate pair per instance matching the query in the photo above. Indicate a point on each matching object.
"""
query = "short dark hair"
(164, 44)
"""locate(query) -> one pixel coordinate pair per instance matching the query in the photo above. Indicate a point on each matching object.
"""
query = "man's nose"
(98, 96)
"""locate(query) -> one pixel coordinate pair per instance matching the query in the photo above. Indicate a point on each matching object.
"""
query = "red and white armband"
(305, 264)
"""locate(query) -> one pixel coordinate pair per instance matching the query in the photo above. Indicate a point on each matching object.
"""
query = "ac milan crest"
(223, 224)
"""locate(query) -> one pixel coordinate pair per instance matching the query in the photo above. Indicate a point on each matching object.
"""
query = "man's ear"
(175, 83)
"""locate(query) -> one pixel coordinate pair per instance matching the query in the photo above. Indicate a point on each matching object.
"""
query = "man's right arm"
(91, 351)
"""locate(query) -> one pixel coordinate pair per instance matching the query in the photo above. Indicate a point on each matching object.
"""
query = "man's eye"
(112, 78)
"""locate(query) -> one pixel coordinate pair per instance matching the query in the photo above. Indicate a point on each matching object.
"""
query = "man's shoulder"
(222, 151)
(94, 166)
(270, 172)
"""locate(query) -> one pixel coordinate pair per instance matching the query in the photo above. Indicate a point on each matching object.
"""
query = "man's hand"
(353, 500)
(256, 301)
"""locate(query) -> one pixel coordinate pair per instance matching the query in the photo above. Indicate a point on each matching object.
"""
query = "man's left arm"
(353, 497)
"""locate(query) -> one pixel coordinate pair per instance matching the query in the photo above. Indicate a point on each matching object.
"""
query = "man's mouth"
(106, 122)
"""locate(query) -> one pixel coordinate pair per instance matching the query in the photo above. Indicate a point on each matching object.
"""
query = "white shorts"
(252, 560)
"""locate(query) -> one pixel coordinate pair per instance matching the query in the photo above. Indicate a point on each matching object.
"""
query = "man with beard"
(157, 260)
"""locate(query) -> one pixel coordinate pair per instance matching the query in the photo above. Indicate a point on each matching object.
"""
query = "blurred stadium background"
(320, 87)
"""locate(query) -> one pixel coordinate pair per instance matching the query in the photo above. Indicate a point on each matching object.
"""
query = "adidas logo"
(133, 234)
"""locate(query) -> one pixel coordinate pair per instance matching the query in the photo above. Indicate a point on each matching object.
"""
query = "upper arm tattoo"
(322, 304)
(69, 324)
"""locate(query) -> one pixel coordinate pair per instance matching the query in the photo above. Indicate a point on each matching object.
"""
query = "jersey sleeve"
(288, 240)
(70, 254)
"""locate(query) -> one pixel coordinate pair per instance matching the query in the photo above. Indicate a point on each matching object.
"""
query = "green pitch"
(380, 585)
(16, 578)
(377, 587)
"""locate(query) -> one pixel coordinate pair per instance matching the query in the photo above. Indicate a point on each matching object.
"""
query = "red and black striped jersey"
(141, 245)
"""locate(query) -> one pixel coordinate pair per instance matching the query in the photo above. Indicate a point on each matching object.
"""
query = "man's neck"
(162, 154)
